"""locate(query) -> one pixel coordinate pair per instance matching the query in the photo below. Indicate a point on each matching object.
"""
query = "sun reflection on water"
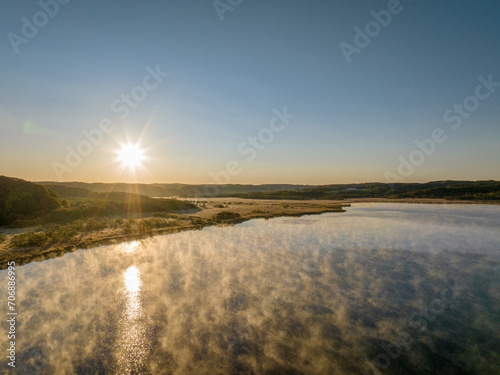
(133, 341)
(132, 279)
(129, 247)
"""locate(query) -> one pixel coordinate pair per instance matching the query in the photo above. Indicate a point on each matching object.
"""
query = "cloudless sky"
(354, 121)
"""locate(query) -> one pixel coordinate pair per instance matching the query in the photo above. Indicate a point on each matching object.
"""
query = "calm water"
(389, 288)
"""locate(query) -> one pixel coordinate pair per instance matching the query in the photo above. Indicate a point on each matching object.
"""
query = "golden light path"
(129, 247)
(132, 281)
(133, 346)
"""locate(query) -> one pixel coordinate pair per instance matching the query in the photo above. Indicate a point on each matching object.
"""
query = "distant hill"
(70, 191)
(20, 199)
(453, 190)
(75, 189)
(461, 190)
(25, 203)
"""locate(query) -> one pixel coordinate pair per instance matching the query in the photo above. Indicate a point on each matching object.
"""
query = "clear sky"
(351, 105)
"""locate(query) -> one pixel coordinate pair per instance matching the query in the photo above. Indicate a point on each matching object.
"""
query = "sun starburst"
(131, 155)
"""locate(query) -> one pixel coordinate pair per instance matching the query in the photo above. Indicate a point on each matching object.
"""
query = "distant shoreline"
(247, 209)
(421, 201)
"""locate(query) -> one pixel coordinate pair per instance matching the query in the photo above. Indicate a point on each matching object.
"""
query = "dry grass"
(54, 242)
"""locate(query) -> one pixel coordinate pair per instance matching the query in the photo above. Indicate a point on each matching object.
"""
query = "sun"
(131, 155)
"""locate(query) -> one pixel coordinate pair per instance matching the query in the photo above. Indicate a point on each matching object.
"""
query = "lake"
(382, 288)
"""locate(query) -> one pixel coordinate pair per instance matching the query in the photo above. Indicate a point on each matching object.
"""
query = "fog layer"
(390, 288)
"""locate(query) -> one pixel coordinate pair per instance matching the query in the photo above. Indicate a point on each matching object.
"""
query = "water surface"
(389, 288)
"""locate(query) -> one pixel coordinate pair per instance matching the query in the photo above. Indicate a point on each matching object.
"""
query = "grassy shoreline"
(56, 240)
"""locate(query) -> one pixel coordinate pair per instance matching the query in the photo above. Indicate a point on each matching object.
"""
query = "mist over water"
(389, 288)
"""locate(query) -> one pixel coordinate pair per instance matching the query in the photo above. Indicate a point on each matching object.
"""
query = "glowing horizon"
(340, 99)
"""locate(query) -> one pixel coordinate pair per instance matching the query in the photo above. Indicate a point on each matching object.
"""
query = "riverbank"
(56, 240)
(420, 201)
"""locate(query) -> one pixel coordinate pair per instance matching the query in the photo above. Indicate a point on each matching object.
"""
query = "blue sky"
(354, 121)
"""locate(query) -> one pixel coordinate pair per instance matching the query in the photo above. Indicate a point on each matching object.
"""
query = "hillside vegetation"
(114, 204)
(23, 200)
(79, 218)
(167, 190)
(24, 203)
(451, 190)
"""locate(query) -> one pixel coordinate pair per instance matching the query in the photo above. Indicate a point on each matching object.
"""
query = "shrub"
(78, 225)
(128, 227)
(59, 234)
(156, 223)
(29, 239)
(197, 221)
(226, 215)
(96, 224)
(165, 215)
(3, 238)
(116, 223)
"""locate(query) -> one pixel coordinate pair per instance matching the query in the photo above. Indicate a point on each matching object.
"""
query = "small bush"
(226, 215)
(29, 239)
(61, 234)
(198, 221)
(165, 215)
(3, 238)
(155, 223)
(78, 225)
(96, 224)
(128, 227)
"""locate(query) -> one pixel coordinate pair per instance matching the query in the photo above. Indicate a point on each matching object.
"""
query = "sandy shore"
(257, 208)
